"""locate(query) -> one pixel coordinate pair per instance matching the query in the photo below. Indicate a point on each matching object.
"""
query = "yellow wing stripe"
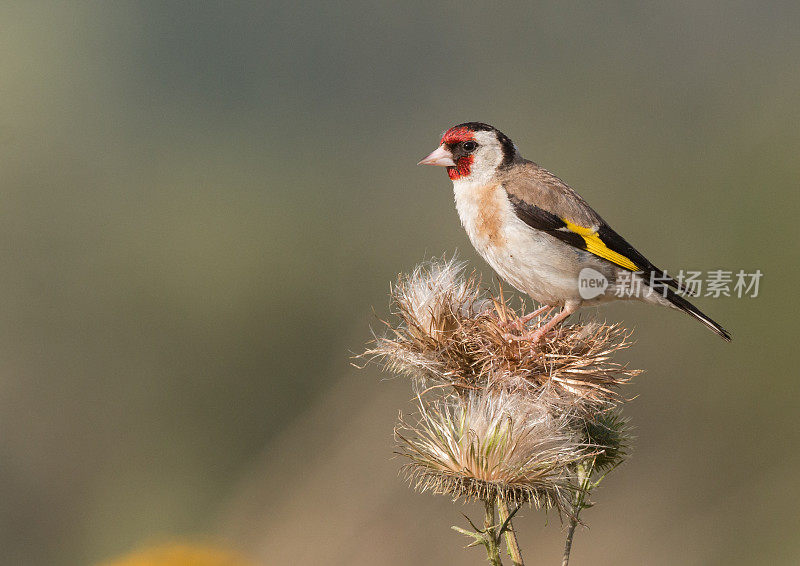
(596, 246)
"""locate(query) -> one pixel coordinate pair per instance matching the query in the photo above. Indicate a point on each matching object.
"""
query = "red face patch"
(456, 135)
(462, 167)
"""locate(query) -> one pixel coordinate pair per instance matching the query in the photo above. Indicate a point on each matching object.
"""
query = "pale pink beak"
(441, 157)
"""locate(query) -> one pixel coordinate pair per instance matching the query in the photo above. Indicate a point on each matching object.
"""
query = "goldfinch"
(540, 236)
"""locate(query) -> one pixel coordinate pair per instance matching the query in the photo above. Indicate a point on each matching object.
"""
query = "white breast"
(533, 262)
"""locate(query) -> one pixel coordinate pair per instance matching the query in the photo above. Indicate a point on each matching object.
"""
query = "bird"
(541, 236)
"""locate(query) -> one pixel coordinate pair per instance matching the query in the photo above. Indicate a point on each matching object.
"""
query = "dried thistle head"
(432, 303)
(435, 296)
(491, 444)
(451, 332)
(576, 368)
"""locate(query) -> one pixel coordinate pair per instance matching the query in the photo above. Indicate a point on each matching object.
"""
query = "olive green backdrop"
(201, 206)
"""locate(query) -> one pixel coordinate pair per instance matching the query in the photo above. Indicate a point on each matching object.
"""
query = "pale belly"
(535, 263)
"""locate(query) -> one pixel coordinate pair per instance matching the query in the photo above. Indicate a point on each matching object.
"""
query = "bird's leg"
(539, 333)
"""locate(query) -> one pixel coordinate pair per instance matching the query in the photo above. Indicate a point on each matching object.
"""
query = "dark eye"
(469, 146)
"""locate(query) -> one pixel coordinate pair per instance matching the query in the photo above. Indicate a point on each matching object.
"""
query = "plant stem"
(584, 472)
(492, 549)
(511, 536)
(568, 545)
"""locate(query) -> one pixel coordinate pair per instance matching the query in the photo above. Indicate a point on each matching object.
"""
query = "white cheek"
(485, 162)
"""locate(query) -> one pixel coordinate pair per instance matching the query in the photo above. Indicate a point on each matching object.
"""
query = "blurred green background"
(201, 205)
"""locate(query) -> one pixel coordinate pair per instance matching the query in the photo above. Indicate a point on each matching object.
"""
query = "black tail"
(693, 311)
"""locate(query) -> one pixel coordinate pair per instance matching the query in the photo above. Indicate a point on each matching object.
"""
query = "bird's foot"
(531, 337)
(535, 335)
(520, 322)
(523, 320)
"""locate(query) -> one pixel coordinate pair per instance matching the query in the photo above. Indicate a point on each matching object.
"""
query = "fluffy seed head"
(492, 444)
